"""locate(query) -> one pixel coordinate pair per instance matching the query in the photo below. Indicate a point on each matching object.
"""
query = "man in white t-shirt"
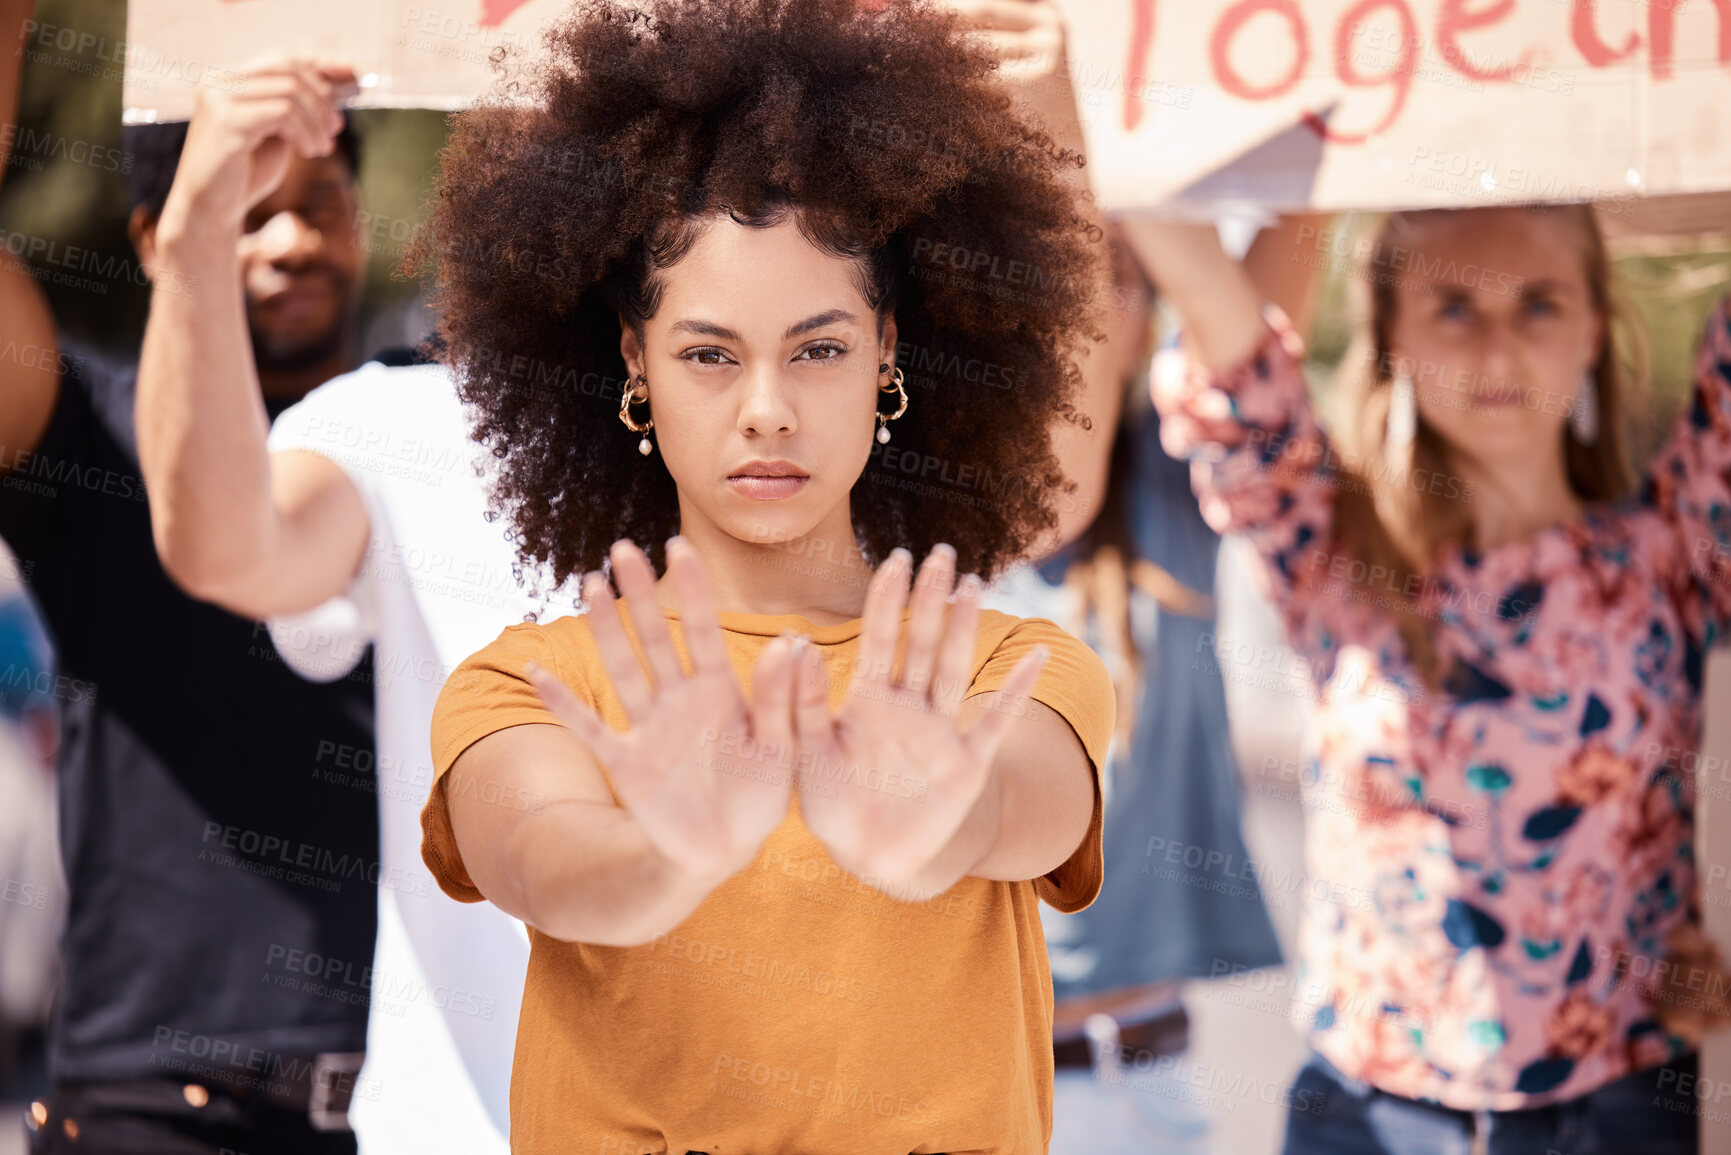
(436, 583)
(361, 518)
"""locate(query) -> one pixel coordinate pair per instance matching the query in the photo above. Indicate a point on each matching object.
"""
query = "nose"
(765, 407)
(287, 239)
(1498, 351)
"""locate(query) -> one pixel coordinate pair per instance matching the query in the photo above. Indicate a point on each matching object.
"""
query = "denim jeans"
(1641, 1114)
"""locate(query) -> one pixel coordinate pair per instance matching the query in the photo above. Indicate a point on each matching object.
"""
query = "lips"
(768, 480)
(307, 298)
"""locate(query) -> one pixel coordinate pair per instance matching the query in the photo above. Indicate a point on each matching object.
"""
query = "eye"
(830, 350)
(1540, 307)
(705, 355)
(1455, 309)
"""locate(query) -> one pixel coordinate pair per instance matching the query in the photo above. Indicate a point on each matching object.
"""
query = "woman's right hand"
(705, 775)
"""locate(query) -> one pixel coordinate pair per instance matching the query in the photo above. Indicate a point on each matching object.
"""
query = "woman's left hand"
(887, 781)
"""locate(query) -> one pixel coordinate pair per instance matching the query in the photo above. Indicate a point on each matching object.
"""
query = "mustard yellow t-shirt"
(797, 1011)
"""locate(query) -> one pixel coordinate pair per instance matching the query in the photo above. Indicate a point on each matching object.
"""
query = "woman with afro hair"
(756, 302)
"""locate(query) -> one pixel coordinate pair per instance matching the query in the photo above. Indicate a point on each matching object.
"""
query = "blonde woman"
(1506, 634)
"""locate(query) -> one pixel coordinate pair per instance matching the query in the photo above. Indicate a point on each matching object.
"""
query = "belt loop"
(1481, 1133)
(1103, 1041)
(334, 1078)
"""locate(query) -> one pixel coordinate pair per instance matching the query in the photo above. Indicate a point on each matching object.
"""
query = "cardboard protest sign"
(1402, 103)
(1326, 104)
(425, 55)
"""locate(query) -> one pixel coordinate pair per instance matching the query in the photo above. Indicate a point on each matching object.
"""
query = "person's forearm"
(1083, 454)
(1029, 818)
(201, 419)
(1222, 309)
(1275, 266)
(585, 872)
(960, 856)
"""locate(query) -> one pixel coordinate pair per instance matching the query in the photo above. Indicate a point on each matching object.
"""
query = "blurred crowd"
(217, 927)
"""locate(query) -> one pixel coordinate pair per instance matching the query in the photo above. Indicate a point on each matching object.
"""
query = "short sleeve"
(487, 693)
(1076, 685)
(326, 642)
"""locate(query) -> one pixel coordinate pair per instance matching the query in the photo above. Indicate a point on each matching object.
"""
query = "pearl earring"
(637, 389)
(1402, 416)
(895, 386)
(1585, 418)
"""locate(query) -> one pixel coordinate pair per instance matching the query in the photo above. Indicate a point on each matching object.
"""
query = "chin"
(773, 526)
(765, 531)
(284, 350)
(1501, 436)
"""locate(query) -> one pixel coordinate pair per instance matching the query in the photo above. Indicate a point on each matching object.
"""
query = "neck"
(293, 384)
(1513, 500)
(821, 576)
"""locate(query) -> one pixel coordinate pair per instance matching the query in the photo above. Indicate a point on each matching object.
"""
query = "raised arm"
(1033, 64)
(30, 369)
(256, 533)
(1689, 481)
(1240, 411)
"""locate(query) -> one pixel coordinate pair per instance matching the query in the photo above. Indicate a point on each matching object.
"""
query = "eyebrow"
(815, 321)
(1546, 285)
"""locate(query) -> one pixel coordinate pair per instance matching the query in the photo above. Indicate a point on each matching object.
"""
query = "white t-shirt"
(438, 582)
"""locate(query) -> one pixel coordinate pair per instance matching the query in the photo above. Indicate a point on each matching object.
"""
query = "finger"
(955, 661)
(882, 625)
(1007, 15)
(931, 592)
(312, 94)
(811, 700)
(1014, 47)
(334, 80)
(341, 77)
(703, 641)
(615, 648)
(573, 714)
(279, 113)
(636, 578)
(772, 699)
(304, 92)
(984, 737)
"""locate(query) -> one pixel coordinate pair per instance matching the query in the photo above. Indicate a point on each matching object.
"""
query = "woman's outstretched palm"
(888, 779)
(705, 775)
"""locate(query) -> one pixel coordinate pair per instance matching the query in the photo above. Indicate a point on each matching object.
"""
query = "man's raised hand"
(241, 140)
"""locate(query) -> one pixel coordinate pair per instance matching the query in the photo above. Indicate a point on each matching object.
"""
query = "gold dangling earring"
(637, 389)
(895, 386)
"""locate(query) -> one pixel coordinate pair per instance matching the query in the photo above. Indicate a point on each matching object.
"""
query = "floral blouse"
(1522, 836)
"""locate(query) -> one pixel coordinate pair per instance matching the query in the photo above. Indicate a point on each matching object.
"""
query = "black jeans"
(155, 1117)
(1651, 1112)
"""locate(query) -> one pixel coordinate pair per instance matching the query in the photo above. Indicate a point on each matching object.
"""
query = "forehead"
(1494, 248)
(743, 272)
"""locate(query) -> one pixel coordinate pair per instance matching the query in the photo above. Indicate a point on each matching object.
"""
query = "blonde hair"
(1385, 521)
